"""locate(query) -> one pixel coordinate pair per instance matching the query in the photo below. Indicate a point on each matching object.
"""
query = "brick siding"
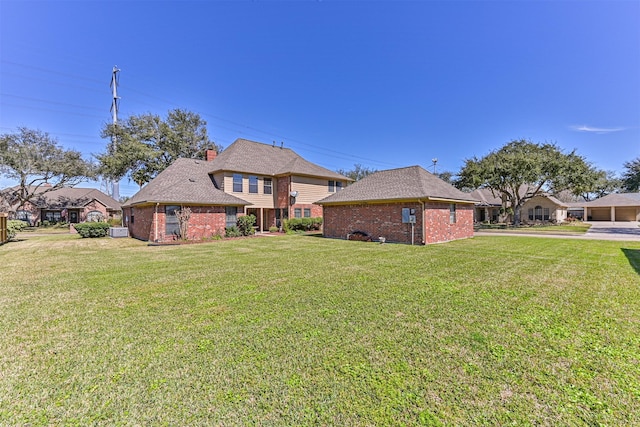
(385, 220)
(205, 222)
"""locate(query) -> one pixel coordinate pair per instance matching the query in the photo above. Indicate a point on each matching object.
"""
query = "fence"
(4, 235)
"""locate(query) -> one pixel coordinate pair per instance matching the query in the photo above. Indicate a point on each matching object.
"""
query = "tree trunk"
(517, 211)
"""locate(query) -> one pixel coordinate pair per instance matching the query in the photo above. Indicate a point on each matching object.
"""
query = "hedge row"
(302, 224)
(92, 229)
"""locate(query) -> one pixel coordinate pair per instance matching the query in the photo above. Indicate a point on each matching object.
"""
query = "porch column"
(585, 216)
(613, 213)
(487, 216)
(261, 225)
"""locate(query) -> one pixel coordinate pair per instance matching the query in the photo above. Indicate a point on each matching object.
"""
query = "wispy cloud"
(592, 129)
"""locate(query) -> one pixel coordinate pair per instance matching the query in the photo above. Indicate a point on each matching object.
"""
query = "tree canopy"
(142, 146)
(357, 173)
(631, 176)
(34, 159)
(522, 169)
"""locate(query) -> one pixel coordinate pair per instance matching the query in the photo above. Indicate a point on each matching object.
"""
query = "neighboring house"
(271, 182)
(544, 208)
(540, 208)
(406, 205)
(67, 204)
(488, 207)
(613, 207)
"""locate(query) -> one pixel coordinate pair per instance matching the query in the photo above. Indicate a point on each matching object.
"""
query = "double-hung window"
(253, 184)
(452, 213)
(237, 183)
(268, 185)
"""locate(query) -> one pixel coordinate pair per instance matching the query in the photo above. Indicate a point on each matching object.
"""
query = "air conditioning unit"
(118, 232)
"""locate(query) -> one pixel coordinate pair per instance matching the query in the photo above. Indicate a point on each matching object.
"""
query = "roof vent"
(192, 180)
(197, 162)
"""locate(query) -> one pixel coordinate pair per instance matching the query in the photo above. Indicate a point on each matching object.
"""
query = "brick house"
(66, 204)
(271, 182)
(406, 205)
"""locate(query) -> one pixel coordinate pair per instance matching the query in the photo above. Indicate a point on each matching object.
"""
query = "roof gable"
(263, 159)
(185, 181)
(410, 183)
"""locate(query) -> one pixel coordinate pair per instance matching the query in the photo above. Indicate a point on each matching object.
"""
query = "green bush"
(13, 226)
(273, 229)
(232, 232)
(245, 224)
(302, 224)
(92, 229)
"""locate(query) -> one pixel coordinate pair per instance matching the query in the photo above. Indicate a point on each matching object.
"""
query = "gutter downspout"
(155, 222)
(424, 229)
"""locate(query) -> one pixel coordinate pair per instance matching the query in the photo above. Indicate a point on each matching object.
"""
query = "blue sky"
(382, 84)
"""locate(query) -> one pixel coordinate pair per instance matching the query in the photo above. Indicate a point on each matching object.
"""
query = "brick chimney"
(210, 155)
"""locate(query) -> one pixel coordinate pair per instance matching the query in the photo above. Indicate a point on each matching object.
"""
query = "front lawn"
(300, 330)
(570, 228)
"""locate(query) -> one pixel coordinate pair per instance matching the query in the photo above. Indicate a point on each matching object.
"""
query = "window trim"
(267, 189)
(237, 182)
(253, 184)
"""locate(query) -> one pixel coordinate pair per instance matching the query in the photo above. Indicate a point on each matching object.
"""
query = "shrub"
(92, 229)
(232, 232)
(13, 226)
(273, 229)
(245, 224)
(302, 224)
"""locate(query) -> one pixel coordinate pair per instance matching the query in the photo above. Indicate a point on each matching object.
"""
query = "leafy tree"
(357, 173)
(631, 176)
(143, 146)
(602, 183)
(521, 169)
(34, 159)
(446, 176)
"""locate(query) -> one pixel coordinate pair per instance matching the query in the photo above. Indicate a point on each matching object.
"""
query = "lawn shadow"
(633, 255)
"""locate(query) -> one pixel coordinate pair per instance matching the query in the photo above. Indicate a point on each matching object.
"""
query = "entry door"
(73, 217)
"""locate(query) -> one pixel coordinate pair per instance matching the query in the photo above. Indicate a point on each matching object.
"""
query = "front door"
(73, 217)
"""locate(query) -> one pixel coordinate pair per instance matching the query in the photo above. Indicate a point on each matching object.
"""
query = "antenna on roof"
(435, 161)
(281, 144)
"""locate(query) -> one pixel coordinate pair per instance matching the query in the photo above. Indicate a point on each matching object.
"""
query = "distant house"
(487, 209)
(406, 205)
(544, 208)
(613, 207)
(247, 178)
(67, 204)
(540, 208)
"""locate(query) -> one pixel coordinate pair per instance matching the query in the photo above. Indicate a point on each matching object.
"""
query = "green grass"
(299, 330)
(571, 228)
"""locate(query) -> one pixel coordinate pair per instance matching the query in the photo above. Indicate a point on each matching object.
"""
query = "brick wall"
(385, 220)
(316, 210)
(94, 205)
(377, 220)
(205, 221)
(438, 228)
(282, 193)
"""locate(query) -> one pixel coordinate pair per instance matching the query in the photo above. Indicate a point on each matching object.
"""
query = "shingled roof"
(614, 199)
(69, 197)
(269, 160)
(410, 183)
(185, 181)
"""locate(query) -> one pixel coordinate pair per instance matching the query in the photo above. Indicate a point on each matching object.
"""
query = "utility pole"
(114, 112)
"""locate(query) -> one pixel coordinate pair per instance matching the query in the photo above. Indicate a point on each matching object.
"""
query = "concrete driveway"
(600, 230)
(618, 230)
